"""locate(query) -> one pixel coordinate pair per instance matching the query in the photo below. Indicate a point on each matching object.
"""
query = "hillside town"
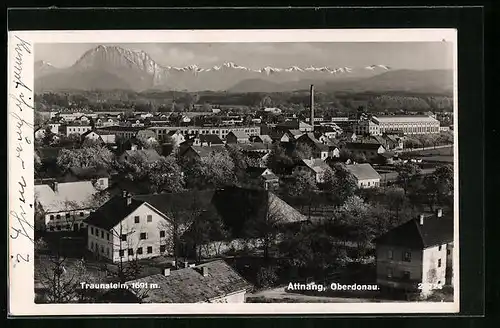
(218, 207)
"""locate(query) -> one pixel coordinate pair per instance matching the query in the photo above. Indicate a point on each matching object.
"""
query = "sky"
(398, 55)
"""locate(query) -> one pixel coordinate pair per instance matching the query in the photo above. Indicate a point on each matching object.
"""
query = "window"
(102, 249)
(124, 237)
(81, 213)
(448, 252)
(121, 252)
(144, 235)
(150, 249)
(96, 232)
(389, 272)
(139, 251)
(406, 275)
(162, 233)
(407, 256)
(136, 219)
(67, 215)
(150, 218)
(440, 247)
(52, 217)
(107, 251)
(91, 230)
(390, 254)
(58, 227)
(58, 216)
(107, 236)
(163, 248)
(91, 245)
(130, 251)
(439, 263)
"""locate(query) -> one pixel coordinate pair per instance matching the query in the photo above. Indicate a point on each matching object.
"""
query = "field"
(438, 155)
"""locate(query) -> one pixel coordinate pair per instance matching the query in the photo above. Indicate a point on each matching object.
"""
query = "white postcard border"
(21, 252)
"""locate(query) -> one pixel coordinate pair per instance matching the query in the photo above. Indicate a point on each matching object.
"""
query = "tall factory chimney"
(312, 105)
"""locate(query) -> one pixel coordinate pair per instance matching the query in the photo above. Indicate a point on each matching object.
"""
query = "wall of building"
(59, 221)
(77, 129)
(368, 183)
(233, 298)
(398, 267)
(432, 272)
(133, 231)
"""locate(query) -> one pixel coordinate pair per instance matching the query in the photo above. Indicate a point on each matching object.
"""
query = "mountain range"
(113, 67)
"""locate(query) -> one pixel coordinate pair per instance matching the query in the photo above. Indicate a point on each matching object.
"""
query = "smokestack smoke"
(312, 105)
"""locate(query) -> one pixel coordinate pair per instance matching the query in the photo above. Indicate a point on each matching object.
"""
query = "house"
(264, 177)
(418, 253)
(77, 129)
(207, 140)
(150, 155)
(199, 152)
(393, 142)
(105, 138)
(176, 137)
(256, 148)
(365, 174)
(63, 206)
(237, 137)
(291, 135)
(126, 228)
(264, 138)
(369, 150)
(349, 136)
(333, 148)
(212, 282)
(316, 167)
(319, 150)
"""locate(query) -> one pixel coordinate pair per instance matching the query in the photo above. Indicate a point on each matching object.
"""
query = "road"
(277, 294)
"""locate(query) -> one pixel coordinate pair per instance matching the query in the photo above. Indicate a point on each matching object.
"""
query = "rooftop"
(363, 171)
(363, 145)
(67, 196)
(434, 231)
(189, 285)
(403, 119)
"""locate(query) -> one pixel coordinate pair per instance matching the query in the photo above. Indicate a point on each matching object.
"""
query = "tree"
(208, 227)
(217, 170)
(303, 151)
(302, 186)
(48, 136)
(61, 279)
(344, 184)
(37, 163)
(407, 174)
(240, 162)
(88, 157)
(278, 160)
(163, 174)
(438, 186)
(395, 198)
(267, 223)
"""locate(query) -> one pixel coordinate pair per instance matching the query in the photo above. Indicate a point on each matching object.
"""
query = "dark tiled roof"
(190, 286)
(112, 212)
(239, 134)
(363, 145)
(363, 171)
(211, 138)
(204, 151)
(434, 231)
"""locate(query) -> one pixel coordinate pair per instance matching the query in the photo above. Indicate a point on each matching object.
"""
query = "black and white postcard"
(213, 172)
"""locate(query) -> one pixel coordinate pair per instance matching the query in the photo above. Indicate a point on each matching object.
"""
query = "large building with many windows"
(408, 124)
(162, 131)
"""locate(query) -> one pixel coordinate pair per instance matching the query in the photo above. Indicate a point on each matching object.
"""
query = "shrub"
(266, 277)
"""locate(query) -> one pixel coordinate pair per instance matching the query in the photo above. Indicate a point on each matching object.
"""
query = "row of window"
(66, 227)
(67, 216)
(143, 235)
(406, 256)
(139, 251)
(95, 232)
(137, 219)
